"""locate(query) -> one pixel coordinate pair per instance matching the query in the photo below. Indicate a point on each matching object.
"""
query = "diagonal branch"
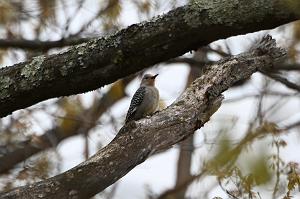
(103, 60)
(137, 140)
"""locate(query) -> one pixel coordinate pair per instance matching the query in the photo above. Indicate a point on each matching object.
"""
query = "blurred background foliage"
(248, 150)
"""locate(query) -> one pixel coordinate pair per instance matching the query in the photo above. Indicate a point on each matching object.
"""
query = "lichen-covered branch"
(101, 61)
(137, 140)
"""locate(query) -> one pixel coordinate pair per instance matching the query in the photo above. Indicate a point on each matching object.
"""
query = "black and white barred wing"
(135, 102)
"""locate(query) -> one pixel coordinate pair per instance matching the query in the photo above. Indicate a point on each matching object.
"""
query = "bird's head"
(148, 80)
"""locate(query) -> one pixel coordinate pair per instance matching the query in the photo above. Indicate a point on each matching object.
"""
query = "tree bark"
(139, 139)
(103, 60)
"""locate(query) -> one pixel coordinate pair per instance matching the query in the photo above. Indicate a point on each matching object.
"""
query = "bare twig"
(40, 45)
(281, 79)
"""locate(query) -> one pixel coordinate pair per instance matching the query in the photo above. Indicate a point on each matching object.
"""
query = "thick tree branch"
(137, 140)
(104, 60)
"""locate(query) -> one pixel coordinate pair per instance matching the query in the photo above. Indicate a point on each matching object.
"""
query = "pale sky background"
(158, 172)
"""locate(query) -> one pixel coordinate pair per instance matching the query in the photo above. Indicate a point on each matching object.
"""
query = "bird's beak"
(154, 76)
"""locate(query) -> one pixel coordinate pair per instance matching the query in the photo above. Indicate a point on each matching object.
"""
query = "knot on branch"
(267, 45)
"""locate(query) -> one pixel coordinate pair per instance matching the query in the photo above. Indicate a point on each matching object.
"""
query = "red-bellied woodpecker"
(145, 99)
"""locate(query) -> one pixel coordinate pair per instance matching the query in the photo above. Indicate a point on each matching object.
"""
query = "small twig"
(41, 45)
(281, 79)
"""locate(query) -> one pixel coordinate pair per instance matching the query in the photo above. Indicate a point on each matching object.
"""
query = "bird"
(145, 100)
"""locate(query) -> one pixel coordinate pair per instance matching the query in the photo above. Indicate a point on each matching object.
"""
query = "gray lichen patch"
(66, 69)
(81, 48)
(229, 13)
(191, 16)
(80, 51)
(224, 13)
(93, 43)
(198, 4)
(83, 45)
(32, 69)
(5, 83)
